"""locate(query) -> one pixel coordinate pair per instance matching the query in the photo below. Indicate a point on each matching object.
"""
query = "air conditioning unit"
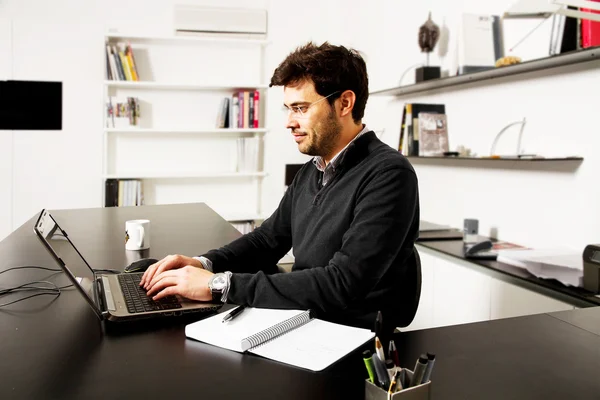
(195, 20)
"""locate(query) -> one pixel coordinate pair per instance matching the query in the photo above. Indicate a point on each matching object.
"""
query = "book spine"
(250, 109)
(256, 107)
(590, 30)
(275, 331)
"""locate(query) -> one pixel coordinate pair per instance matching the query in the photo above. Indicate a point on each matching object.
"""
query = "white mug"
(137, 234)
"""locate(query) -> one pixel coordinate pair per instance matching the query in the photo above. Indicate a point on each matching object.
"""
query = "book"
(590, 30)
(413, 131)
(433, 134)
(292, 337)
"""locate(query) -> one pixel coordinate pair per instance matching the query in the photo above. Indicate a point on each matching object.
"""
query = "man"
(351, 214)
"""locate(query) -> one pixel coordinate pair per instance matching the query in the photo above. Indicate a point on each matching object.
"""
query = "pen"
(393, 385)
(233, 314)
(429, 367)
(391, 368)
(382, 374)
(379, 349)
(367, 358)
(419, 371)
(379, 329)
(400, 377)
(393, 352)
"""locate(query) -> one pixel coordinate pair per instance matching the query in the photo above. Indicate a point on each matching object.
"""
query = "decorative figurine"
(429, 34)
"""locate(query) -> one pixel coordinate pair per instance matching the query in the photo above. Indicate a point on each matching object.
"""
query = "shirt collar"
(319, 162)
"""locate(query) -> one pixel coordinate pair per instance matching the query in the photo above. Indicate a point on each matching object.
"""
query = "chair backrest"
(412, 298)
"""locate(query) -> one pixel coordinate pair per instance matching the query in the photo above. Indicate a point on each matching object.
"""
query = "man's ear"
(347, 100)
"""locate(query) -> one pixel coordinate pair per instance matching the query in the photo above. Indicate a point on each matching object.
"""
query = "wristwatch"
(219, 286)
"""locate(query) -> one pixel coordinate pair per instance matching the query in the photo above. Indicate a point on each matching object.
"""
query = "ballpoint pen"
(233, 314)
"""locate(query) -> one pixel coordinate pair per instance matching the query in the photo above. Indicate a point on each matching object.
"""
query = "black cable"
(28, 297)
(31, 266)
(53, 290)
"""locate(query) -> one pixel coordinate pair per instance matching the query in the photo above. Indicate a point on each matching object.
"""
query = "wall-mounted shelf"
(184, 39)
(556, 164)
(178, 86)
(490, 159)
(183, 175)
(574, 57)
(215, 131)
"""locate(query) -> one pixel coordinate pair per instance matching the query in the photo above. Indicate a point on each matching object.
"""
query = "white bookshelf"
(215, 131)
(182, 86)
(176, 150)
(184, 175)
(185, 39)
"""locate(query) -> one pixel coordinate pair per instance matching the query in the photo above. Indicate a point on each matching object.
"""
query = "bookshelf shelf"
(574, 57)
(215, 131)
(184, 175)
(555, 164)
(185, 39)
(179, 86)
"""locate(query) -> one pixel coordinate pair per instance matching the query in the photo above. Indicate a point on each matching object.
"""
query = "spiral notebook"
(288, 336)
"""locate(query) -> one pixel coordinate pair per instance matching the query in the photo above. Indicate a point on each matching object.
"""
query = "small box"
(427, 73)
(419, 392)
(591, 268)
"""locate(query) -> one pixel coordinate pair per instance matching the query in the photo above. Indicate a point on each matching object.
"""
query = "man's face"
(315, 126)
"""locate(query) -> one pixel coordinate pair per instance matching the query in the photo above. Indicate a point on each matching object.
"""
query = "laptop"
(113, 297)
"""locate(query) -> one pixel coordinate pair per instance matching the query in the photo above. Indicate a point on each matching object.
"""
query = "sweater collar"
(319, 162)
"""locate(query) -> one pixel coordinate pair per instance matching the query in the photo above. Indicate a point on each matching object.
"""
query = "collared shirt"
(329, 169)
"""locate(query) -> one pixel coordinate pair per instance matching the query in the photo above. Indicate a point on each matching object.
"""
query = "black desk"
(578, 297)
(57, 349)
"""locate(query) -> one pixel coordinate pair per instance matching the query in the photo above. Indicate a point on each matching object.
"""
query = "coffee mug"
(137, 234)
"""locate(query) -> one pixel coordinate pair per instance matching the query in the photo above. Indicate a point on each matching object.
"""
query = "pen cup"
(419, 392)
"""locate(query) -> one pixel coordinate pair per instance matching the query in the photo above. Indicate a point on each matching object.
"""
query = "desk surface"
(58, 349)
(579, 297)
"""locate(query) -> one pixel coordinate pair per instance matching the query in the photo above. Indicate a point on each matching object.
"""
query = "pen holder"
(419, 392)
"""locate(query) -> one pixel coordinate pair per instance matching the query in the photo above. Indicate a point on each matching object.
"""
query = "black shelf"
(574, 57)
(490, 159)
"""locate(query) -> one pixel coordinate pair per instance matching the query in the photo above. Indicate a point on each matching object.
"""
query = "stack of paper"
(564, 265)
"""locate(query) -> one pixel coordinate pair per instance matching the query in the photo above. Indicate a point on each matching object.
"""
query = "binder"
(292, 337)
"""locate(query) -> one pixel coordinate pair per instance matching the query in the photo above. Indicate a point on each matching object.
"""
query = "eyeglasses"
(301, 111)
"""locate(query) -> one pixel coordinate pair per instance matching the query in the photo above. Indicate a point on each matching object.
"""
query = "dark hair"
(331, 68)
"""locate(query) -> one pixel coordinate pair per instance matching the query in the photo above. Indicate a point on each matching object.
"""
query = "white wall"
(62, 40)
(6, 137)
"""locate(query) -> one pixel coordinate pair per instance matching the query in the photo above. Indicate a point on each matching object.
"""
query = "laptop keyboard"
(136, 299)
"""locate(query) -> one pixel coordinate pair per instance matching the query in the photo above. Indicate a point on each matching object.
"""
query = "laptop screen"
(67, 255)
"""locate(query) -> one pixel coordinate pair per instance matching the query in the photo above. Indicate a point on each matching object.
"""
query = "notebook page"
(229, 335)
(314, 345)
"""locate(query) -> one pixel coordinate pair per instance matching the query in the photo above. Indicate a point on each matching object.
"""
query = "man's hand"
(167, 263)
(190, 282)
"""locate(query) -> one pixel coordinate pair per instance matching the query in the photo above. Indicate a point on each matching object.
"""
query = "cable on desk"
(53, 290)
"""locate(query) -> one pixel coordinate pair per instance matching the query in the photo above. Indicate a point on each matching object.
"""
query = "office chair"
(410, 301)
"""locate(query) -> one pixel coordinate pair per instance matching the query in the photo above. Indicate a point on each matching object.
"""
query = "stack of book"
(120, 63)
(240, 111)
(424, 130)
(122, 112)
(123, 192)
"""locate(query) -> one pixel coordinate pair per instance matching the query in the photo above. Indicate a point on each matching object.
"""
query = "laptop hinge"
(100, 299)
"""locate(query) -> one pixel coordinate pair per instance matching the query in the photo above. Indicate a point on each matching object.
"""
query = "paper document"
(564, 265)
(282, 335)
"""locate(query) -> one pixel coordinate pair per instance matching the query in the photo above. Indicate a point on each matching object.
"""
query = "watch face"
(219, 282)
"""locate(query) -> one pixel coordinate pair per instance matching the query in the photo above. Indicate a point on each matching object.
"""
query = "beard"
(321, 140)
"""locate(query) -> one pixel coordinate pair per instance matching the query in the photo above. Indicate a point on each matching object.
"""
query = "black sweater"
(351, 239)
